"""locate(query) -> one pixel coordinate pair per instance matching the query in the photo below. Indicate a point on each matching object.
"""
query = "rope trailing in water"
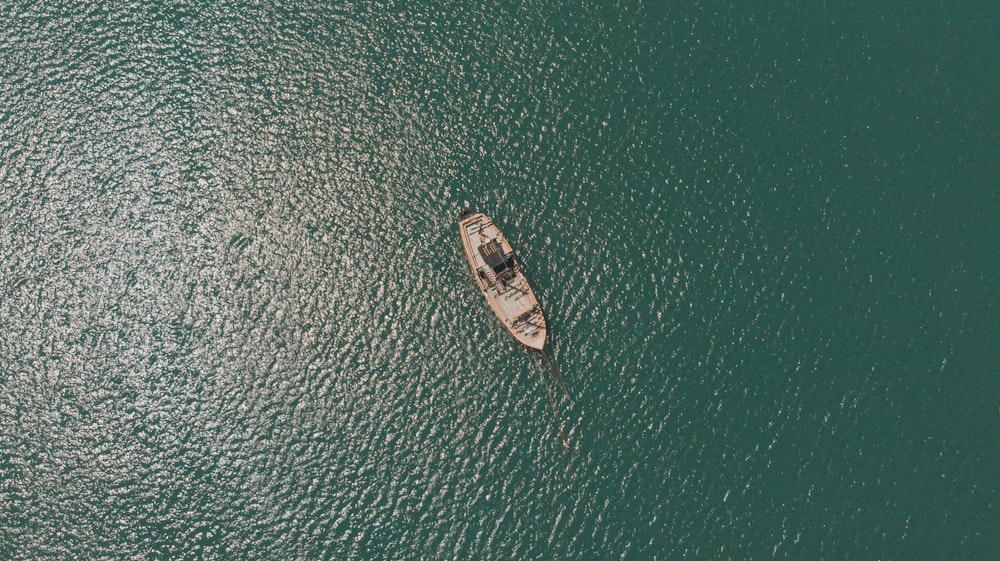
(554, 372)
(555, 410)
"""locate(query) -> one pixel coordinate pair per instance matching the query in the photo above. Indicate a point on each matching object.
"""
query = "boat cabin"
(502, 265)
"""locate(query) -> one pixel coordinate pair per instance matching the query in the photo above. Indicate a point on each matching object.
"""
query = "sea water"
(236, 322)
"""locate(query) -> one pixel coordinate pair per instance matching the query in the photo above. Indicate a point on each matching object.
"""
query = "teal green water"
(236, 323)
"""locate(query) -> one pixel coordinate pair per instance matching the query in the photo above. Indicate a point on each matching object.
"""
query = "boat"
(500, 276)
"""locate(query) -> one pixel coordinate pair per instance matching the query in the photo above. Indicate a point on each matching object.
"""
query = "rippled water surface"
(236, 323)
